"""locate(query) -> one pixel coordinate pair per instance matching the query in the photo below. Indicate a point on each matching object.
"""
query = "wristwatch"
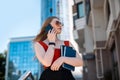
(52, 43)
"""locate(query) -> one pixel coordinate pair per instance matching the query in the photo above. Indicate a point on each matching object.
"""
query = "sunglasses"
(58, 23)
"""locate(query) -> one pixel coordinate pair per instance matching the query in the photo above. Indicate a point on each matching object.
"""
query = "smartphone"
(48, 27)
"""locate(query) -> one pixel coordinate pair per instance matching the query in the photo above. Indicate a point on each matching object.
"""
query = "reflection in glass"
(20, 60)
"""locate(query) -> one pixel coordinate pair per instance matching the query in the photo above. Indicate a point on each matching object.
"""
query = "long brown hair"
(43, 35)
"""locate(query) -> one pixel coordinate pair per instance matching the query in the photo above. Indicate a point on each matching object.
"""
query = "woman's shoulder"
(38, 43)
(66, 42)
(41, 45)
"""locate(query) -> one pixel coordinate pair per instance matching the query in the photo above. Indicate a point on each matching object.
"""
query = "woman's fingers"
(56, 65)
(54, 68)
(48, 31)
(52, 35)
(53, 31)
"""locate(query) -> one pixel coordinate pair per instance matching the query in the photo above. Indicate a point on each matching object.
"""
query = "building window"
(74, 18)
(50, 10)
(58, 9)
(108, 11)
(80, 9)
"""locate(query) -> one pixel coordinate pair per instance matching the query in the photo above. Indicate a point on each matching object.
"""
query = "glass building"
(48, 8)
(21, 58)
(65, 14)
(61, 9)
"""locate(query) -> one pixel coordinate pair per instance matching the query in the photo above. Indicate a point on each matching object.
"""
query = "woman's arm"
(44, 57)
(76, 61)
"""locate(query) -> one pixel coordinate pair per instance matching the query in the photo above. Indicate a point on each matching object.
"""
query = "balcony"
(80, 23)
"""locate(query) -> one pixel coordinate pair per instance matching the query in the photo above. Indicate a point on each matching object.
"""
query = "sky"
(18, 18)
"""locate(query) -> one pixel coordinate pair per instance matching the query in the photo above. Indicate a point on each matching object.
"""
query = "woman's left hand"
(57, 63)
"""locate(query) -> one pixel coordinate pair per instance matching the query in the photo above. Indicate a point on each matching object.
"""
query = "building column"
(117, 43)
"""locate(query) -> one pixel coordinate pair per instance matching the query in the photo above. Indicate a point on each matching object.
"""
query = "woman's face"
(56, 24)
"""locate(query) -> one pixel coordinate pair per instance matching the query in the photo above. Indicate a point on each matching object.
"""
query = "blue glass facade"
(48, 8)
(21, 59)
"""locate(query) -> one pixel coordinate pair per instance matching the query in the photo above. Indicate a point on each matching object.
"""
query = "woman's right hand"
(51, 36)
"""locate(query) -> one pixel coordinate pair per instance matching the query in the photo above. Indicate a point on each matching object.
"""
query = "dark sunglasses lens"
(58, 23)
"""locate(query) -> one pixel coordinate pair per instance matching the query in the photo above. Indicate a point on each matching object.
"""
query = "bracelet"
(51, 43)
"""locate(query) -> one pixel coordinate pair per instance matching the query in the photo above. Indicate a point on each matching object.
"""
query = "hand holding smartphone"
(48, 27)
(51, 36)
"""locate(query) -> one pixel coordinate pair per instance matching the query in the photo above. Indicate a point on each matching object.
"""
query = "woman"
(47, 49)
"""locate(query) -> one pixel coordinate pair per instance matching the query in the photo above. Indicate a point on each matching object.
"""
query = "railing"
(99, 62)
(27, 76)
